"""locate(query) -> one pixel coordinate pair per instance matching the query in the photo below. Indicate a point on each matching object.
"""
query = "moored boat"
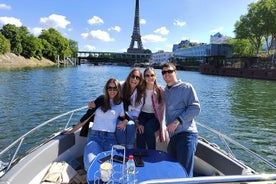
(246, 67)
(21, 163)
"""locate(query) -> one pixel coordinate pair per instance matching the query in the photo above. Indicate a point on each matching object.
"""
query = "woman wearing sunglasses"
(151, 117)
(102, 134)
(132, 95)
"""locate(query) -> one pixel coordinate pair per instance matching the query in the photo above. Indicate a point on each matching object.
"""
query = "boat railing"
(224, 138)
(218, 179)
(5, 166)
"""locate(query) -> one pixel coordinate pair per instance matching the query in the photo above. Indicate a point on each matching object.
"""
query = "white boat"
(212, 164)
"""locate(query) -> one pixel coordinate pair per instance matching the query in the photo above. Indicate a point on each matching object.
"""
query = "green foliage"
(60, 43)
(74, 47)
(258, 25)
(4, 44)
(49, 51)
(49, 44)
(11, 32)
(147, 51)
(241, 47)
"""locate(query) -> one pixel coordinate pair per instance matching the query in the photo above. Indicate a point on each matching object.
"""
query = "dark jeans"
(151, 125)
(182, 147)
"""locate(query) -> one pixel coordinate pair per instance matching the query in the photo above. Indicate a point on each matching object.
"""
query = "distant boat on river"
(246, 67)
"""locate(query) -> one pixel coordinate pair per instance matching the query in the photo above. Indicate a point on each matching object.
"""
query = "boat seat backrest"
(213, 157)
(39, 160)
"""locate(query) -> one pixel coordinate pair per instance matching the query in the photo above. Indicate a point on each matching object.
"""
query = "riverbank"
(11, 61)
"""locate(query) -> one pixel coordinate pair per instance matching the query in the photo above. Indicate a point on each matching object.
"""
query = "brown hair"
(126, 91)
(117, 99)
(165, 65)
(155, 86)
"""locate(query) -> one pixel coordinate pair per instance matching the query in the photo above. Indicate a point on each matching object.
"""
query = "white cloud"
(89, 47)
(179, 23)
(217, 29)
(36, 31)
(153, 38)
(5, 7)
(10, 20)
(162, 30)
(143, 21)
(115, 28)
(97, 35)
(95, 20)
(54, 21)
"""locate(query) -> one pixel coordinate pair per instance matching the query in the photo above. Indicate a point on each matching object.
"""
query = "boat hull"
(252, 73)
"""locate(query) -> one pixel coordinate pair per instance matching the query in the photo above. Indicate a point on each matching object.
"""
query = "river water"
(244, 109)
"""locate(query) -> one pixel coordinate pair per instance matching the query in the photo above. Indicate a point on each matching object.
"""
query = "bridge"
(112, 57)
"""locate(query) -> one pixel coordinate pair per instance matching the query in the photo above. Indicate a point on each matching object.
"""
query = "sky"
(107, 25)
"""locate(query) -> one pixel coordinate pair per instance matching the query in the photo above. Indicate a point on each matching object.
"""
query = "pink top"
(159, 111)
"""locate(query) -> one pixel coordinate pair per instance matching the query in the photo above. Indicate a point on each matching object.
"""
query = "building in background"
(161, 57)
(218, 39)
(191, 51)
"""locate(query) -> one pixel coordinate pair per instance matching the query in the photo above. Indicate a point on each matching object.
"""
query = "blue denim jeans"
(97, 142)
(182, 147)
(126, 137)
(151, 125)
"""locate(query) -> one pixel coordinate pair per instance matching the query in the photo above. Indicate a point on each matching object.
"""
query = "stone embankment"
(11, 61)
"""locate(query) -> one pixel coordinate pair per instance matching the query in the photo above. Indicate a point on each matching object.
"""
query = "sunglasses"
(151, 75)
(109, 88)
(167, 71)
(135, 77)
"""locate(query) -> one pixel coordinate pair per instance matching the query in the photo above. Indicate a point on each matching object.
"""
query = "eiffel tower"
(136, 37)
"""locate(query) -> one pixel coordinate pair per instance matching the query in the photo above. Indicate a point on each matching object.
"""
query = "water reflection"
(254, 106)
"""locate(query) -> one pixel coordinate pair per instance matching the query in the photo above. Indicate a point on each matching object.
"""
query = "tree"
(55, 39)
(11, 32)
(49, 51)
(249, 28)
(266, 11)
(258, 24)
(28, 43)
(4, 44)
(147, 51)
(241, 47)
(74, 47)
(50, 43)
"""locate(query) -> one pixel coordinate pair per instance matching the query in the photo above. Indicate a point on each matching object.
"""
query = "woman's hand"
(122, 125)
(140, 129)
(91, 105)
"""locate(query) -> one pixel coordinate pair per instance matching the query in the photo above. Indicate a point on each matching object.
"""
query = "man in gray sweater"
(182, 106)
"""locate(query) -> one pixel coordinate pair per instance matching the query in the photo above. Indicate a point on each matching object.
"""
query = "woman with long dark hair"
(132, 95)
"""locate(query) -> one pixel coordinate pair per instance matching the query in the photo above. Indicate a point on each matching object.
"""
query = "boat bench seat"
(39, 159)
(217, 163)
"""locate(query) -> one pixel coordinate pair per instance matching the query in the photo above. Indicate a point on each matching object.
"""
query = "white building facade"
(161, 57)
